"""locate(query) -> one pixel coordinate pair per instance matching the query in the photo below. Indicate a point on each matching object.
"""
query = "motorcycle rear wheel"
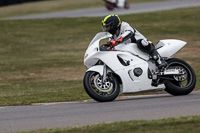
(182, 84)
(101, 92)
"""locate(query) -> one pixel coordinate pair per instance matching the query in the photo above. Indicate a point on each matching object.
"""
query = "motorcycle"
(111, 4)
(127, 69)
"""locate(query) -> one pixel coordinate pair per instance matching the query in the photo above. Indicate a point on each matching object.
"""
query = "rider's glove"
(113, 43)
(116, 42)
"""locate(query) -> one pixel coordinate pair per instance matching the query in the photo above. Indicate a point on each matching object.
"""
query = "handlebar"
(107, 44)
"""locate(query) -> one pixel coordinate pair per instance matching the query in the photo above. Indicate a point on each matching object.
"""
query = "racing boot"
(148, 47)
(160, 62)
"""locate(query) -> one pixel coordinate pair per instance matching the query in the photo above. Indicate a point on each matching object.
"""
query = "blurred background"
(11, 2)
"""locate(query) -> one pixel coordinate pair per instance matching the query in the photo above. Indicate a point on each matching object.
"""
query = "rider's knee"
(145, 46)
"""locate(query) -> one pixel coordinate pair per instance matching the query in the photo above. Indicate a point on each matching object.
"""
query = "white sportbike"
(127, 69)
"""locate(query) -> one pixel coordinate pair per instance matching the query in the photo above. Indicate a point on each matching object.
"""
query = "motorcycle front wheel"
(99, 91)
(183, 83)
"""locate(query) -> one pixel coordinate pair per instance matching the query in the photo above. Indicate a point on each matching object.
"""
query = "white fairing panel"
(132, 48)
(168, 48)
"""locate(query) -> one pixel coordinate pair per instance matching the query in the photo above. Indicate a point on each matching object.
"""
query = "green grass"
(53, 6)
(28, 93)
(190, 124)
(42, 60)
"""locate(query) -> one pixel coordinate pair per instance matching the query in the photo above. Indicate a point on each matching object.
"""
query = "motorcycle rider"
(123, 32)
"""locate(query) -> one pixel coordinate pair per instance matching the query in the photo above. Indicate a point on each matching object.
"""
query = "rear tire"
(182, 84)
(101, 92)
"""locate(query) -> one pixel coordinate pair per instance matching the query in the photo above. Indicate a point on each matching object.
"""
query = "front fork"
(104, 76)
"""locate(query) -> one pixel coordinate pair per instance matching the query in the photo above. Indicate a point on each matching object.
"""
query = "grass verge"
(190, 124)
(42, 60)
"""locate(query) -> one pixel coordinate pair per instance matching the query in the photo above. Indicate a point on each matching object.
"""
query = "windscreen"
(98, 36)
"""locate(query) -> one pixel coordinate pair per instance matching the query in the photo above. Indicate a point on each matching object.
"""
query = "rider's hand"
(115, 42)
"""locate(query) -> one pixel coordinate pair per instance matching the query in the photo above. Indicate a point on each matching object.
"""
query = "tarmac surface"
(71, 114)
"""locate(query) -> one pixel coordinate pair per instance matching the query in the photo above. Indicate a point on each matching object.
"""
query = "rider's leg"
(149, 48)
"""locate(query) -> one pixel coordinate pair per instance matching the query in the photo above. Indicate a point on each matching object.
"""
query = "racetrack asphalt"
(102, 11)
(71, 114)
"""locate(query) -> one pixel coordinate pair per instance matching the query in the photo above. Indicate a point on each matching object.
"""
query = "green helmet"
(111, 23)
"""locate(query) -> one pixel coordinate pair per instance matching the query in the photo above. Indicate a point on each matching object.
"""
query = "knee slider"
(144, 43)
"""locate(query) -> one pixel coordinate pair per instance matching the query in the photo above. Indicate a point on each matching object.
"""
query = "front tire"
(182, 84)
(97, 90)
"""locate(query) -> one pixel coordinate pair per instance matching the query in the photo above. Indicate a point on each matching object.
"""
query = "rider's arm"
(126, 35)
(127, 31)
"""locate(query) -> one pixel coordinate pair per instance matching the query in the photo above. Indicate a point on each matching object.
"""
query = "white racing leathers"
(129, 34)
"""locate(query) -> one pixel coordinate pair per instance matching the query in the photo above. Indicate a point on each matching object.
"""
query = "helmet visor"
(106, 27)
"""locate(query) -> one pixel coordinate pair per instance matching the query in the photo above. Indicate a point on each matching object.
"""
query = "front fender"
(97, 68)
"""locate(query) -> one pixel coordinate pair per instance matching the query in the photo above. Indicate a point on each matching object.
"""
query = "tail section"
(168, 48)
